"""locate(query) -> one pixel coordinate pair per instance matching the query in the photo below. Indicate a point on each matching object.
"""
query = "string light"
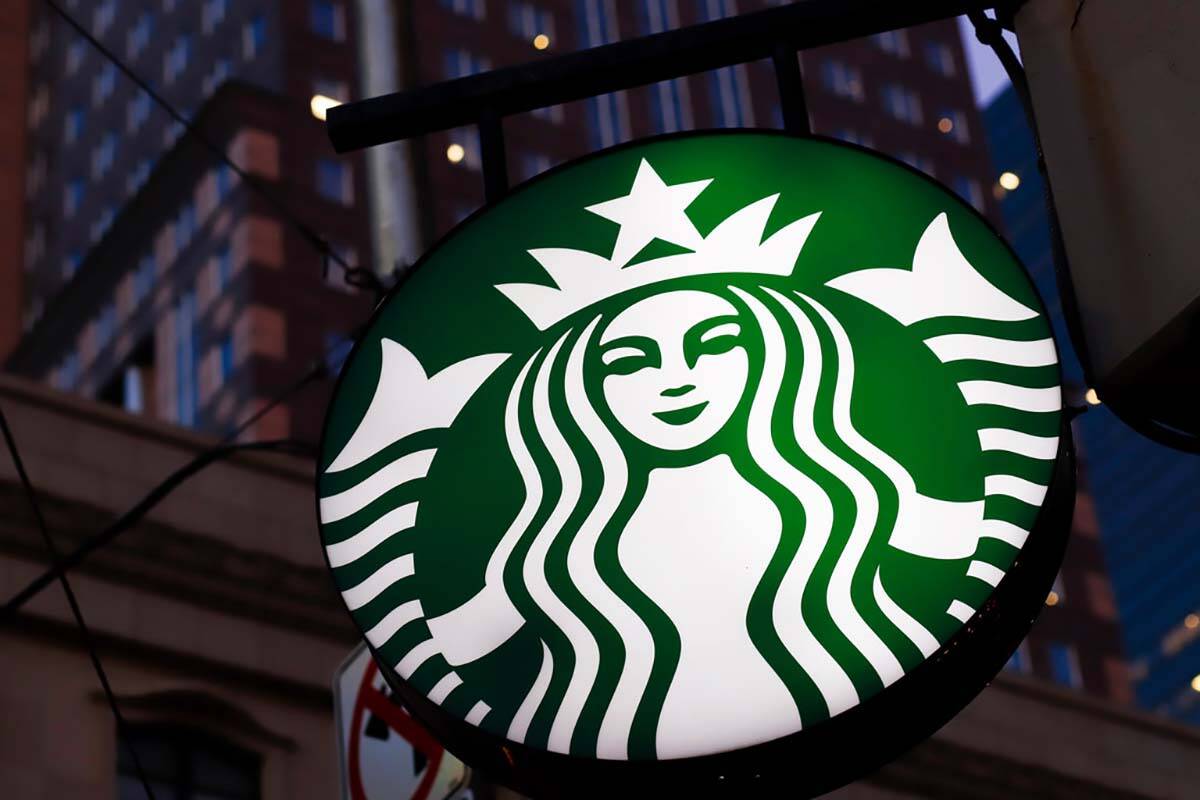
(541, 41)
(1009, 180)
(455, 153)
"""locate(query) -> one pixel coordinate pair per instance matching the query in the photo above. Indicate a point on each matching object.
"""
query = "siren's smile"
(681, 416)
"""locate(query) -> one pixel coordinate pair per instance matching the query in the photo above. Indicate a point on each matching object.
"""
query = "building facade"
(14, 137)
(201, 301)
(95, 137)
(906, 92)
(1146, 496)
(220, 631)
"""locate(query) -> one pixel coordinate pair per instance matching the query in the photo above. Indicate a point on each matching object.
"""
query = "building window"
(224, 269)
(219, 73)
(1064, 665)
(137, 176)
(460, 63)
(104, 83)
(475, 9)
(102, 17)
(893, 42)
(728, 86)
(254, 36)
(335, 181)
(73, 194)
(337, 350)
(327, 19)
(75, 52)
(940, 58)
(139, 35)
(74, 124)
(138, 111)
(527, 20)
(222, 181)
(103, 155)
(213, 14)
(71, 264)
(106, 324)
(842, 80)
(186, 394)
(102, 223)
(549, 114)
(175, 60)
(669, 107)
(534, 164)
(923, 163)
(185, 227)
(969, 189)
(143, 278)
(854, 137)
(902, 103)
(608, 115)
(68, 372)
(184, 764)
(225, 358)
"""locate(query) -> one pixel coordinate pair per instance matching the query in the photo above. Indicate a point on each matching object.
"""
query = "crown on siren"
(654, 210)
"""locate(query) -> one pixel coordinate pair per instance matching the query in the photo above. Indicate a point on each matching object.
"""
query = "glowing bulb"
(320, 105)
(1196, 684)
(455, 153)
(1092, 398)
(1009, 180)
(541, 41)
(945, 124)
(1191, 621)
(1052, 599)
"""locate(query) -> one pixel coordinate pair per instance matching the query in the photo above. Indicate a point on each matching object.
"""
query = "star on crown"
(653, 210)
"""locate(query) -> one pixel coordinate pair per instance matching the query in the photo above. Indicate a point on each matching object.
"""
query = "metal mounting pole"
(495, 164)
(791, 89)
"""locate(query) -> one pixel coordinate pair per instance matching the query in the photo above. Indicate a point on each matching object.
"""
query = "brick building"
(201, 301)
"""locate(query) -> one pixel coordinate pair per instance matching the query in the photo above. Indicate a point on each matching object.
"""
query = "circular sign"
(696, 457)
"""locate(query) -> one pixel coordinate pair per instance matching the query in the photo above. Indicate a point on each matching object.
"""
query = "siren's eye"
(711, 338)
(629, 354)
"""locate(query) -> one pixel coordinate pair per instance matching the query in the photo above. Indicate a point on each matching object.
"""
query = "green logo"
(688, 446)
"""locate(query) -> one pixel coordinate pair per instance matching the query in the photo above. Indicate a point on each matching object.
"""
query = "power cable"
(359, 277)
(84, 631)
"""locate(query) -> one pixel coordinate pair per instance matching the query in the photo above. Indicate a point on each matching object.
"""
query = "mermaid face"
(675, 368)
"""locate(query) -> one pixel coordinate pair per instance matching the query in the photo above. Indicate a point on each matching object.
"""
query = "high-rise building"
(1146, 497)
(905, 92)
(155, 280)
(14, 74)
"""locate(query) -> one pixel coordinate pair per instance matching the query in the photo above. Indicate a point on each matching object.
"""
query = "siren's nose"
(678, 391)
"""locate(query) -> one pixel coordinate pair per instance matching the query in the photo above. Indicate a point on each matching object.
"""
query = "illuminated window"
(106, 324)
(102, 17)
(175, 60)
(73, 194)
(842, 80)
(75, 52)
(104, 83)
(103, 155)
(185, 227)
(527, 20)
(970, 190)
(327, 19)
(670, 102)
(223, 178)
(139, 35)
(213, 13)
(74, 124)
(254, 36)
(143, 278)
(893, 42)
(335, 181)
(186, 361)
(460, 63)
(901, 103)
(224, 269)
(940, 58)
(1019, 660)
(225, 358)
(137, 112)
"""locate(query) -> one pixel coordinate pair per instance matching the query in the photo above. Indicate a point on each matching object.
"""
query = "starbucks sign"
(718, 457)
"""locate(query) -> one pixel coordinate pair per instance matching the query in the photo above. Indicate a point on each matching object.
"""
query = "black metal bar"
(791, 89)
(495, 163)
(623, 65)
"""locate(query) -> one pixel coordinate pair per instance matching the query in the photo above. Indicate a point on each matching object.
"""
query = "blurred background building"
(1146, 497)
(141, 274)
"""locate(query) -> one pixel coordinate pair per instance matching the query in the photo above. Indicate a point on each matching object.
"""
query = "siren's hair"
(605, 649)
